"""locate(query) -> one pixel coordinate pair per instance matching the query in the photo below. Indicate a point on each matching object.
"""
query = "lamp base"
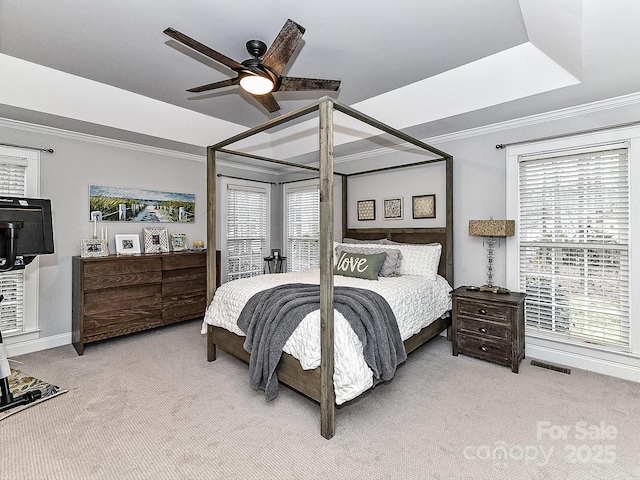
(493, 289)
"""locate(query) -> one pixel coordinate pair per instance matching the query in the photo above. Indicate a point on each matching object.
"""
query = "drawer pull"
(482, 330)
(482, 311)
(483, 348)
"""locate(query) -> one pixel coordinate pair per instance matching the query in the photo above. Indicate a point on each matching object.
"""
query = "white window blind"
(574, 246)
(303, 228)
(12, 183)
(246, 241)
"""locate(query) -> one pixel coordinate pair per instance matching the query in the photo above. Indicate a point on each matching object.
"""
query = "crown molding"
(96, 139)
(561, 114)
(87, 137)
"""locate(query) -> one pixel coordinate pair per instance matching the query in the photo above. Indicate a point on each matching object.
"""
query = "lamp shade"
(492, 228)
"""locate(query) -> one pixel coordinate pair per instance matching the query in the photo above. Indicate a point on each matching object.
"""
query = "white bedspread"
(416, 302)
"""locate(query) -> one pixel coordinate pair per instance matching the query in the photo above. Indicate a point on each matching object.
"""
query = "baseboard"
(620, 365)
(36, 345)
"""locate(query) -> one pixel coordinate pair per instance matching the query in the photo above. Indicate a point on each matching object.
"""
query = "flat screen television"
(26, 230)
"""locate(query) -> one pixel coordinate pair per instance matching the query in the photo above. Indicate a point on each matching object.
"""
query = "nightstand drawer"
(496, 313)
(483, 328)
(494, 351)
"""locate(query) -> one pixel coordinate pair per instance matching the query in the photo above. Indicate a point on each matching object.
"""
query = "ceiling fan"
(261, 75)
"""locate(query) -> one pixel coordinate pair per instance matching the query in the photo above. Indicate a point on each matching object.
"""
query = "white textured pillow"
(420, 260)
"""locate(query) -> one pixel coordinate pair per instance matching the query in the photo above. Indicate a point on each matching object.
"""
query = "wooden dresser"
(489, 326)
(117, 295)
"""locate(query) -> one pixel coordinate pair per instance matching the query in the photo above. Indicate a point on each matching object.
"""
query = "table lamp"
(490, 230)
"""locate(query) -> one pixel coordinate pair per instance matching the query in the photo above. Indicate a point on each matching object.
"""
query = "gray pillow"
(359, 265)
(355, 240)
(391, 265)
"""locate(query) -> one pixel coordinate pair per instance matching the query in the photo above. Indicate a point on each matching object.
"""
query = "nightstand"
(489, 326)
(275, 265)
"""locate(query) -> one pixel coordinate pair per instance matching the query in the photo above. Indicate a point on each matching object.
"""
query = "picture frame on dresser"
(156, 240)
(127, 244)
(179, 242)
(94, 247)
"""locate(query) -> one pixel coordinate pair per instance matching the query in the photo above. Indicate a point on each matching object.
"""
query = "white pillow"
(420, 260)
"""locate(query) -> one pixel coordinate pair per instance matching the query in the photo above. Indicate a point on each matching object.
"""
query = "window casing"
(246, 229)
(19, 171)
(619, 362)
(302, 226)
(574, 245)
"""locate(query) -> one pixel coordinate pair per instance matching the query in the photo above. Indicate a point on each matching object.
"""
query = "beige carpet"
(149, 406)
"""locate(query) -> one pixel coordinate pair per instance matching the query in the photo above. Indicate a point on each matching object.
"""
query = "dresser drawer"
(493, 312)
(106, 324)
(484, 348)
(184, 289)
(127, 279)
(196, 274)
(184, 260)
(121, 265)
(122, 298)
(484, 328)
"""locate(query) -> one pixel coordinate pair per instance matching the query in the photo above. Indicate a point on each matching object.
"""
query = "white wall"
(401, 183)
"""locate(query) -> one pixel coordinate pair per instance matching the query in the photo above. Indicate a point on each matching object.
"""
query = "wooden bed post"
(327, 393)
(345, 199)
(449, 219)
(211, 241)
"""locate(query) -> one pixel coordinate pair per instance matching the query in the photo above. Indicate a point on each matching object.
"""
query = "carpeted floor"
(149, 406)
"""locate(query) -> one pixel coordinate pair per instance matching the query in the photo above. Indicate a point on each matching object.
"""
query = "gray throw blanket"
(270, 317)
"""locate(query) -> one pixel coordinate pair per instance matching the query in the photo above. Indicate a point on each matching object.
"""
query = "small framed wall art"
(127, 244)
(393, 208)
(178, 242)
(94, 247)
(156, 240)
(424, 206)
(366, 210)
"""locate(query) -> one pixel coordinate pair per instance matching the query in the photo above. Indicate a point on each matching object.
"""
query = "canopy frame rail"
(324, 107)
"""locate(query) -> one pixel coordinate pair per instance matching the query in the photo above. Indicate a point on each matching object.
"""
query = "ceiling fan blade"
(203, 49)
(268, 101)
(214, 85)
(290, 84)
(282, 48)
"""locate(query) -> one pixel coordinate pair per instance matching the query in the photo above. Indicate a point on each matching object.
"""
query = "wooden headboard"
(411, 235)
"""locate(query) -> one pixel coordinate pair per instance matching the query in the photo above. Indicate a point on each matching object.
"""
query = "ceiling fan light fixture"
(256, 84)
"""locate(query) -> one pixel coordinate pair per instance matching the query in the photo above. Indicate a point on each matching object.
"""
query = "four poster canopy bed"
(374, 331)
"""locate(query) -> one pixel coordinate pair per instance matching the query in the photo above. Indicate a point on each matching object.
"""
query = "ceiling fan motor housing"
(256, 48)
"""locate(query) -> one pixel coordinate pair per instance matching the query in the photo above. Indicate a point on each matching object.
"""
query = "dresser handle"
(482, 330)
(482, 311)
(483, 348)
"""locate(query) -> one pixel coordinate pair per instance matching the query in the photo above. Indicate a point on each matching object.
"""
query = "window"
(302, 227)
(19, 309)
(574, 245)
(247, 228)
